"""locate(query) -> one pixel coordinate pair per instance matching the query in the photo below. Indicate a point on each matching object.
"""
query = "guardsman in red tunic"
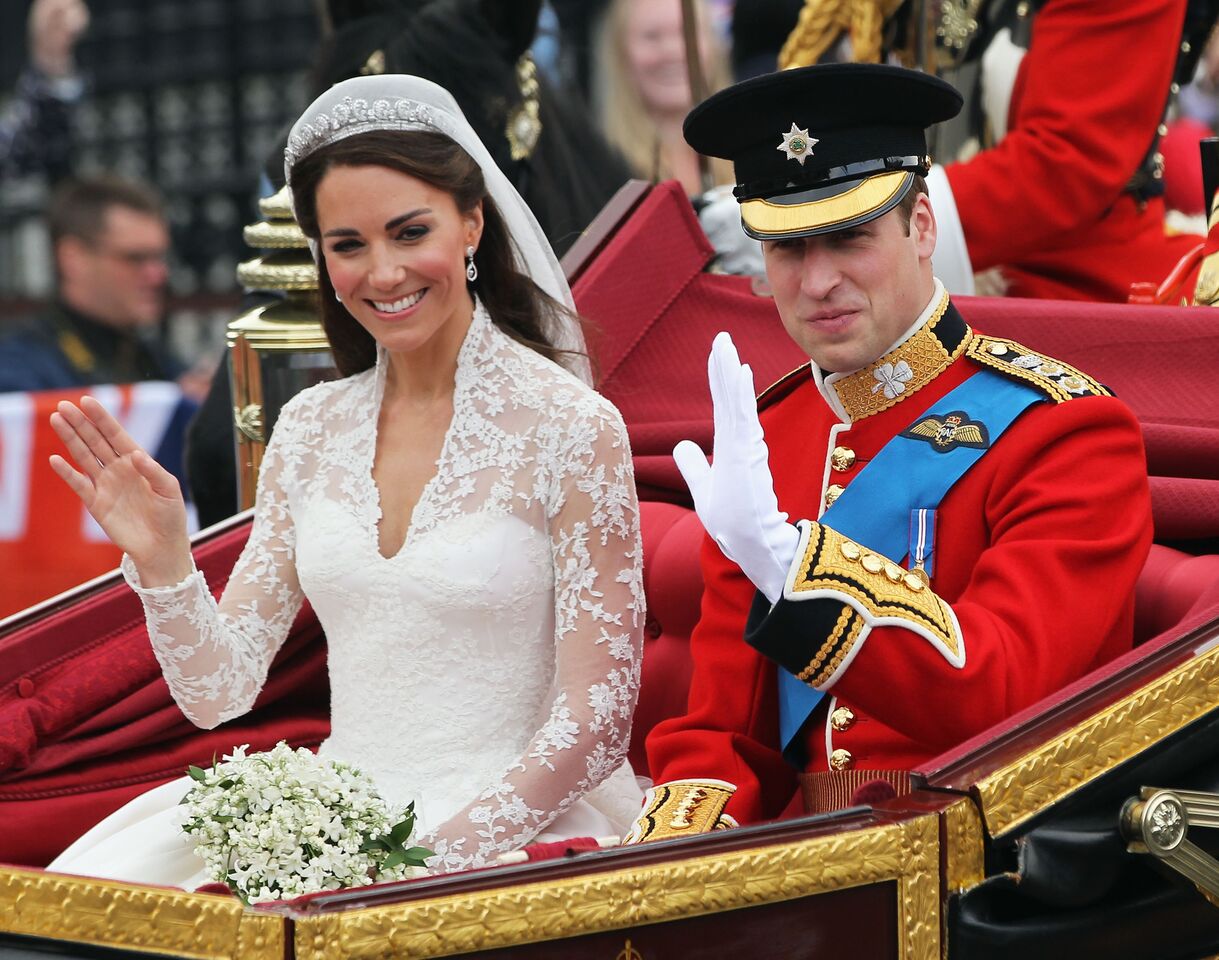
(1066, 201)
(926, 529)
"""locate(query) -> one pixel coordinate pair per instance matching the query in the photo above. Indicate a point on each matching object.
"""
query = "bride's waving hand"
(135, 500)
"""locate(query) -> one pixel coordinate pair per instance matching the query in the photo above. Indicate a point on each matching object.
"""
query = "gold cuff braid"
(869, 583)
(682, 808)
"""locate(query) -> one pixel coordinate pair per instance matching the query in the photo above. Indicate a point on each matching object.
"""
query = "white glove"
(735, 496)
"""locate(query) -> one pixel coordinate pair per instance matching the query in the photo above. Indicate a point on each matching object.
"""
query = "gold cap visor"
(825, 209)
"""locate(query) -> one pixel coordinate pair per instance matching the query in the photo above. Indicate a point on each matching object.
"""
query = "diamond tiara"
(351, 116)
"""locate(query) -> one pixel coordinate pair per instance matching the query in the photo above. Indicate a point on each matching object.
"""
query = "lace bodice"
(489, 669)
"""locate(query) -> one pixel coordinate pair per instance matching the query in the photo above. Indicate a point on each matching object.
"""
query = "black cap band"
(849, 171)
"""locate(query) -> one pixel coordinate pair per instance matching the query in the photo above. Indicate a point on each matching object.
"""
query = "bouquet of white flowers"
(287, 822)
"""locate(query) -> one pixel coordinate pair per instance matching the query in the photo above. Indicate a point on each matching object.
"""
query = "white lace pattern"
(489, 669)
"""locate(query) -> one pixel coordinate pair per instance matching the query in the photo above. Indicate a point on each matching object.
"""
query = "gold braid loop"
(867, 25)
(820, 23)
(823, 21)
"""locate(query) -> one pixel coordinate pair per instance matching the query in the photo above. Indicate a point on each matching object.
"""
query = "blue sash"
(907, 474)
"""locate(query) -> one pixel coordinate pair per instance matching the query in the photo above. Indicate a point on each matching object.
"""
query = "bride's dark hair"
(516, 304)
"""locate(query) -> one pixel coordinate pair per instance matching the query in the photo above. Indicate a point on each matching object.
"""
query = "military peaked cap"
(822, 148)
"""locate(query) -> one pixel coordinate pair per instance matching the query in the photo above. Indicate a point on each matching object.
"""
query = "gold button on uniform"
(843, 718)
(842, 459)
(832, 493)
(841, 760)
(872, 563)
(850, 550)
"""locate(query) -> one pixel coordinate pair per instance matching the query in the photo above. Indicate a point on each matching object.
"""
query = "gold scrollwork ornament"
(524, 123)
(628, 952)
(248, 421)
(958, 23)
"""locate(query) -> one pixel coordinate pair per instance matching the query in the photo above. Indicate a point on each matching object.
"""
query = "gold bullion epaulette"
(1059, 381)
(783, 386)
(682, 808)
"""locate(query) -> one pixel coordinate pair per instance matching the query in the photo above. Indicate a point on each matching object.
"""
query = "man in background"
(110, 243)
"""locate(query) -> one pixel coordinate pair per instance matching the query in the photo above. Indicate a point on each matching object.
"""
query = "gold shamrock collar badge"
(797, 144)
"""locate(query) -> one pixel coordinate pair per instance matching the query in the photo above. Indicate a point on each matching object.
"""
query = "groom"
(968, 517)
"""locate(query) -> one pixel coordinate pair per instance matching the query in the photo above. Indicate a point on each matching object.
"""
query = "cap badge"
(797, 144)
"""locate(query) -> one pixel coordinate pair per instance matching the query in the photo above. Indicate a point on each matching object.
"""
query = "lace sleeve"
(599, 608)
(215, 656)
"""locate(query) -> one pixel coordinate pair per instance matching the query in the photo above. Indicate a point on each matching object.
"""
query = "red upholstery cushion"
(1173, 587)
(673, 582)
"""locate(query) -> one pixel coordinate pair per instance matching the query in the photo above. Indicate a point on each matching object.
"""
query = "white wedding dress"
(488, 671)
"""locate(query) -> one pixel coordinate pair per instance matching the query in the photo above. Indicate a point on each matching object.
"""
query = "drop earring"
(471, 269)
(337, 297)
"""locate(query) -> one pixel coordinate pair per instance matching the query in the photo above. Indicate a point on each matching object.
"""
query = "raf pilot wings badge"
(952, 431)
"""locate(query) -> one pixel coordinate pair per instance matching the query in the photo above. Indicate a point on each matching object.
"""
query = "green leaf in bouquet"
(393, 860)
(197, 773)
(400, 832)
(416, 856)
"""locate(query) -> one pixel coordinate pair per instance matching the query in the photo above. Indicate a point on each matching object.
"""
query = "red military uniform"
(1038, 549)
(1047, 204)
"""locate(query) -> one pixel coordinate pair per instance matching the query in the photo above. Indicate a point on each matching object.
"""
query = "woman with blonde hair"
(643, 88)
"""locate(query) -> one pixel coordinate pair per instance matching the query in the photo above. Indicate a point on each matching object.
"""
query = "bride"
(459, 510)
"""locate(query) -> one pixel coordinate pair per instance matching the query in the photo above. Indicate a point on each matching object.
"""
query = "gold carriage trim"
(1059, 381)
(83, 910)
(870, 584)
(1016, 793)
(681, 808)
(278, 206)
(964, 846)
(907, 853)
(900, 373)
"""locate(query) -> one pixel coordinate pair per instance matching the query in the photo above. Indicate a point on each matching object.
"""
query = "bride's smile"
(395, 249)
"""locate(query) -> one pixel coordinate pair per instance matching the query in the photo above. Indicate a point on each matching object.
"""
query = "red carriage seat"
(673, 583)
(1175, 587)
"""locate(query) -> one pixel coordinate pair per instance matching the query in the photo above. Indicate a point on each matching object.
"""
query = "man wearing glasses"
(111, 244)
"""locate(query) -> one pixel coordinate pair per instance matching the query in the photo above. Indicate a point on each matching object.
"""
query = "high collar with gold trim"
(921, 354)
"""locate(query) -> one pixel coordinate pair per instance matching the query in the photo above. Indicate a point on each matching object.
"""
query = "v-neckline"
(424, 495)
(428, 491)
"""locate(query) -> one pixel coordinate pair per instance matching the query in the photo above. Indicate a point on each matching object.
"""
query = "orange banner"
(48, 541)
